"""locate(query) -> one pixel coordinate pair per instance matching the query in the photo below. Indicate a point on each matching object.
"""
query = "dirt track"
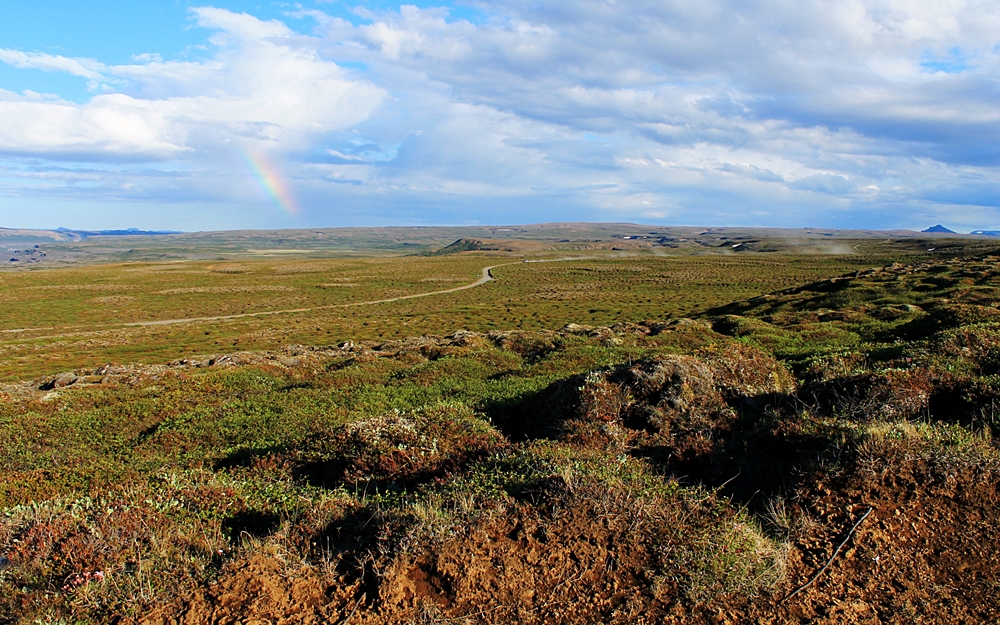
(78, 331)
(486, 277)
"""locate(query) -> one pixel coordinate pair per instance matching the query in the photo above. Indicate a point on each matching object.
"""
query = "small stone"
(64, 379)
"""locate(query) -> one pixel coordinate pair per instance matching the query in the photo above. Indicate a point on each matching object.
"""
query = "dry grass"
(644, 466)
(73, 330)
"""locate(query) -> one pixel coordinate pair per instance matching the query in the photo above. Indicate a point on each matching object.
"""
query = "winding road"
(486, 277)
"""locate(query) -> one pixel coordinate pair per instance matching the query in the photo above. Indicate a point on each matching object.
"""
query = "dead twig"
(357, 604)
(828, 562)
(716, 490)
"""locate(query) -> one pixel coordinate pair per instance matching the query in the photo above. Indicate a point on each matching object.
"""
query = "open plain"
(564, 423)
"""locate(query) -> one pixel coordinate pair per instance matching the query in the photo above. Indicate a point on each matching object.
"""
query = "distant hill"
(133, 245)
(987, 233)
(939, 228)
(461, 245)
(25, 235)
(66, 235)
(117, 233)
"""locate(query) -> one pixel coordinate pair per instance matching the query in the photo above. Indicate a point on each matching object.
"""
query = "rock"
(684, 322)
(464, 338)
(59, 381)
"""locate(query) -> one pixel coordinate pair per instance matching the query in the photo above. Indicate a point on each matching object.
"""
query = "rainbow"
(270, 180)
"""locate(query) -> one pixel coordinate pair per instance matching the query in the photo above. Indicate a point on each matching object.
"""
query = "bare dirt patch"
(225, 289)
(114, 299)
(926, 554)
(261, 590)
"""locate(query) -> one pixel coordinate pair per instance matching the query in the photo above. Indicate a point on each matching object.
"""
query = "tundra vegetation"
(625, 436)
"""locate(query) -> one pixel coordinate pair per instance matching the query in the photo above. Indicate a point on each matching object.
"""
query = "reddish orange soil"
(927, 554)
(261, 590)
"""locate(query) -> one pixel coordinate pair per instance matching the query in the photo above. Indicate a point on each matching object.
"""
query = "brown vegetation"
(822, 454)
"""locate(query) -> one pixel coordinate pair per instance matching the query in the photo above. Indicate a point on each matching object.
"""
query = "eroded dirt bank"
(926, 554)
(784, 498)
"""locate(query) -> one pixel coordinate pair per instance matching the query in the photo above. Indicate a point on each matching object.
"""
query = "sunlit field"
(54, 319)
(594, 435)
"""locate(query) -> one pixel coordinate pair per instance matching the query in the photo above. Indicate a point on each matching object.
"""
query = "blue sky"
(191, 116)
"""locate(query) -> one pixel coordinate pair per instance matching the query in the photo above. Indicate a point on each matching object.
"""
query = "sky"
(254, 114)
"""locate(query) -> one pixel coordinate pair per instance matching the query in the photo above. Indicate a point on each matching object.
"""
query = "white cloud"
(262, 85)
(84, 68)
(835, 92)
(240, 26)
(635, 107)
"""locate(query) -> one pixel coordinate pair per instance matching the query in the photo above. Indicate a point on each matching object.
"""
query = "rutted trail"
(487, 276)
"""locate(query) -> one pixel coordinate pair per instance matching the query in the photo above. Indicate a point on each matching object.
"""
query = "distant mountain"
(988, 233)
(939, 228)
(24, 235)
(28, 236)
(117, 233)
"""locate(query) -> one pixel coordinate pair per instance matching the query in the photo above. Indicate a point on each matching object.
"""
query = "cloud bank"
(849, 114)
